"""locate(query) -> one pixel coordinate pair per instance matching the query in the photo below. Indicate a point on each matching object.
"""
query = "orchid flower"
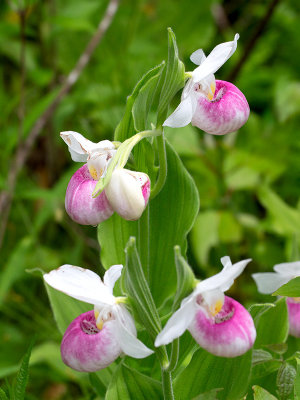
(269, 282)
(127, 192)
(216, 107)
(218, 323)
(96, 338)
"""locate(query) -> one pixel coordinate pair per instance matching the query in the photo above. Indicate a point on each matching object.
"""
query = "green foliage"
(262, 394)
(206, 372)
(269, 331)
(22, 376)
(290, 289)
(137, 288)
(128, 384)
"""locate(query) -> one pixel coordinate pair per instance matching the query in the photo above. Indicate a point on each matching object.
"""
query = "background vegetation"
(248, 182)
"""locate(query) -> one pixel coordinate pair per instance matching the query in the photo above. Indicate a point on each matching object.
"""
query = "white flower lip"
(204, 75)
(83, 284)
(269, 282)
(182, 318)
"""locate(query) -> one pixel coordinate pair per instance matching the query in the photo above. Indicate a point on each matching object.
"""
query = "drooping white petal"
(198, 57)
(226, 262)
(268, 282)
(124, 193)
(178, 323)
(183, 114)
(224, 279)
(81, 284)
(292, 268)
(80, 147)
(125, 335)
(112, 275)
(219, 55)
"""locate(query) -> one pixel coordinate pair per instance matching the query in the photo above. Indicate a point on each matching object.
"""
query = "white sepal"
(126, 334)
(268, 282)
(183, 114)
(218, 56)
(124, 193)
(80, 147)
(81, 284)
(112, 275)
(224, 279)
(178, 323)
(291, 268)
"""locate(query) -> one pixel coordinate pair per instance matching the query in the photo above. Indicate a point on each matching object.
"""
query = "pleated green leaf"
(129, 384)
(171, 216)
(206, 372)
(273, 325)
(290, 289)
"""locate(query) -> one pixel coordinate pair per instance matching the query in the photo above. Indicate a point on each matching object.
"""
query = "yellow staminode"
(100, 324)
(216, 307)
(212, 90)
(296, 299)
(94, 172)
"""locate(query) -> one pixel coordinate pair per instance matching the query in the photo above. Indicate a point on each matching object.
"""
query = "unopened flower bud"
(128, 193)
(79, 203)
(226, 112)
(86, 348)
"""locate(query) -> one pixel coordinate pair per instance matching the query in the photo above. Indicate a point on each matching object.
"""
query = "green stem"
(131, 142)
(161, 146)
(174, 356)
(167, 385)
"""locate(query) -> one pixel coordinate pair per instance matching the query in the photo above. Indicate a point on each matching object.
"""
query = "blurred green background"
(248, 181)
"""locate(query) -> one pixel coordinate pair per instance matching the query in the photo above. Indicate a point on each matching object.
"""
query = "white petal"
(183, 114)
(198, 57)
(215, 59)
(224, 279)
(226, 262)
(112, 275)
(178, 323)
(127, 339)
(292, 268)
(80, 147)
(268, 282)
(81, 284)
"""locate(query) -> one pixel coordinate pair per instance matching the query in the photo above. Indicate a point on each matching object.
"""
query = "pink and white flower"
(96, 338)
(269, 282)
(216, 107)
(127, 192)
(218, 323)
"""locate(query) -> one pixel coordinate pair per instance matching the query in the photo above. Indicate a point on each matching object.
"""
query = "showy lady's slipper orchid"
(216, 107)
(127, 192)
(269, 282)
(218, 323)
(96, 338)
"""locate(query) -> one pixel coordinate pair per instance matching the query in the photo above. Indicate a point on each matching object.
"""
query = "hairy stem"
(167, 385)
(174, 355)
